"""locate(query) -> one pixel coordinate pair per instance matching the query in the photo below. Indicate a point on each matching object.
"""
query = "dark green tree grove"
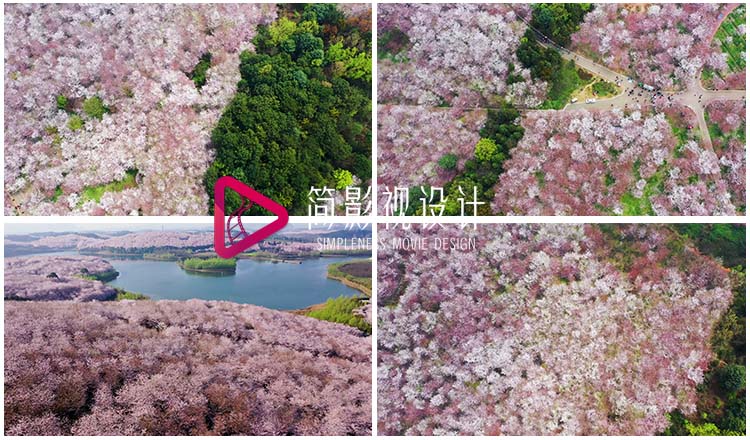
(297, 117)
(559, 21)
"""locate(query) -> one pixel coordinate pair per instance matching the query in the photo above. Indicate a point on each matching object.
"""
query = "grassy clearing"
(604, 89)
(567, 80)
(632, 205)
(732, 41)
(341, 311)
(125, 295)
(571, 82)
(683, 135)
(95, 193)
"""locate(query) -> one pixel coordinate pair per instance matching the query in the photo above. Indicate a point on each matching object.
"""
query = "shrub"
(702, 429)
(448, 161)
(75, 123)
(94, 107)
(732, 377)
(343, 178)
(124, 294)
(198, 75)
(104, 276)
(485, 149)
(62, 102)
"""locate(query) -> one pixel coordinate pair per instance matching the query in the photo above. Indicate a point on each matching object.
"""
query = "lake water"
(280, 286)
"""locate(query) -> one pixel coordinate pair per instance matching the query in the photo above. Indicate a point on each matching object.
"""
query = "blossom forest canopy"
(593, 109)
(181, 368)
(136, 109)
(563, 329)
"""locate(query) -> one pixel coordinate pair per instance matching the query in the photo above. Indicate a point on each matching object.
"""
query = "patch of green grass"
(124, 294)
(198, 75)
(57, 194)
(95, 193)
(632, 205)
(539, 178)
(732, 41)
(604, 89)
(714, 131)
(340, 310)
(707, 74)
(565, 81)
(682, 134)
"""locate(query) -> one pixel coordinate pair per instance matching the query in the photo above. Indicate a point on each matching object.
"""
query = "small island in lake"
(216, 266)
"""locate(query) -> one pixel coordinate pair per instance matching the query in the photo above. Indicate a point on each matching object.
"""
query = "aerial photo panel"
(374, 219)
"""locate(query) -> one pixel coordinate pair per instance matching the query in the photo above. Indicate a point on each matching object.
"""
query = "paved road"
(694, 96)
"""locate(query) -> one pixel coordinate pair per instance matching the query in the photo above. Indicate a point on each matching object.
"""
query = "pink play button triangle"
(232, 230)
